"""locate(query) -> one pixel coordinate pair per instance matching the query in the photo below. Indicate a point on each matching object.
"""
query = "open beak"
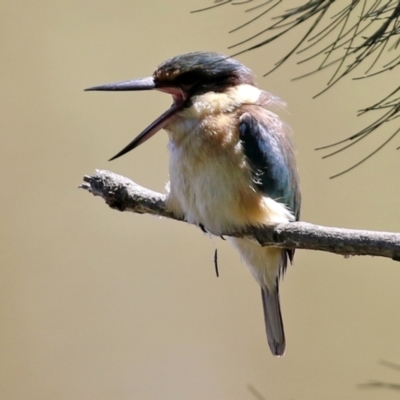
(158, 124)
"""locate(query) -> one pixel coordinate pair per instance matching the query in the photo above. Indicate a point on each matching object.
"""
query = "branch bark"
(122, 194)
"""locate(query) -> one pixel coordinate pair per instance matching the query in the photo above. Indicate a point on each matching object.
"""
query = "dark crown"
(203, 71)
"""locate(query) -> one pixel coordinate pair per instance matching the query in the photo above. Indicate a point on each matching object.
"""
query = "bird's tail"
(273, 321)
(267, 264)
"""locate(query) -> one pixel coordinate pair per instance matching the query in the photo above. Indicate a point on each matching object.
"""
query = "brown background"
(96, 304)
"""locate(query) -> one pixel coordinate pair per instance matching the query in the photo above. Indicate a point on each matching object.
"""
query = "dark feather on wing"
(270, 154)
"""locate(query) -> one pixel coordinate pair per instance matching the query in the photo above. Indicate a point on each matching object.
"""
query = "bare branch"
(122, 194)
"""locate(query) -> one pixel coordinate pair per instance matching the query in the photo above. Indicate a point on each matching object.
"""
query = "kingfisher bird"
(232, 162)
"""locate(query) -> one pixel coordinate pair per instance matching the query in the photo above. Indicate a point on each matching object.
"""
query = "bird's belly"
(204, 197)
(214, 191)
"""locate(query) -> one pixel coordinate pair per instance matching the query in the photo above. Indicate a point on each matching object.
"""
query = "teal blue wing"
(270, 154)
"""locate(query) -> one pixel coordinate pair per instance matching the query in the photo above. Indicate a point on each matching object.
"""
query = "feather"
(269, 152)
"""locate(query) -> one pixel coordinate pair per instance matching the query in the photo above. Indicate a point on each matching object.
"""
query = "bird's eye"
(187, 80)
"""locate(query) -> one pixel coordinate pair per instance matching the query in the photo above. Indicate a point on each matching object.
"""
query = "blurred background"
(97, 304)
